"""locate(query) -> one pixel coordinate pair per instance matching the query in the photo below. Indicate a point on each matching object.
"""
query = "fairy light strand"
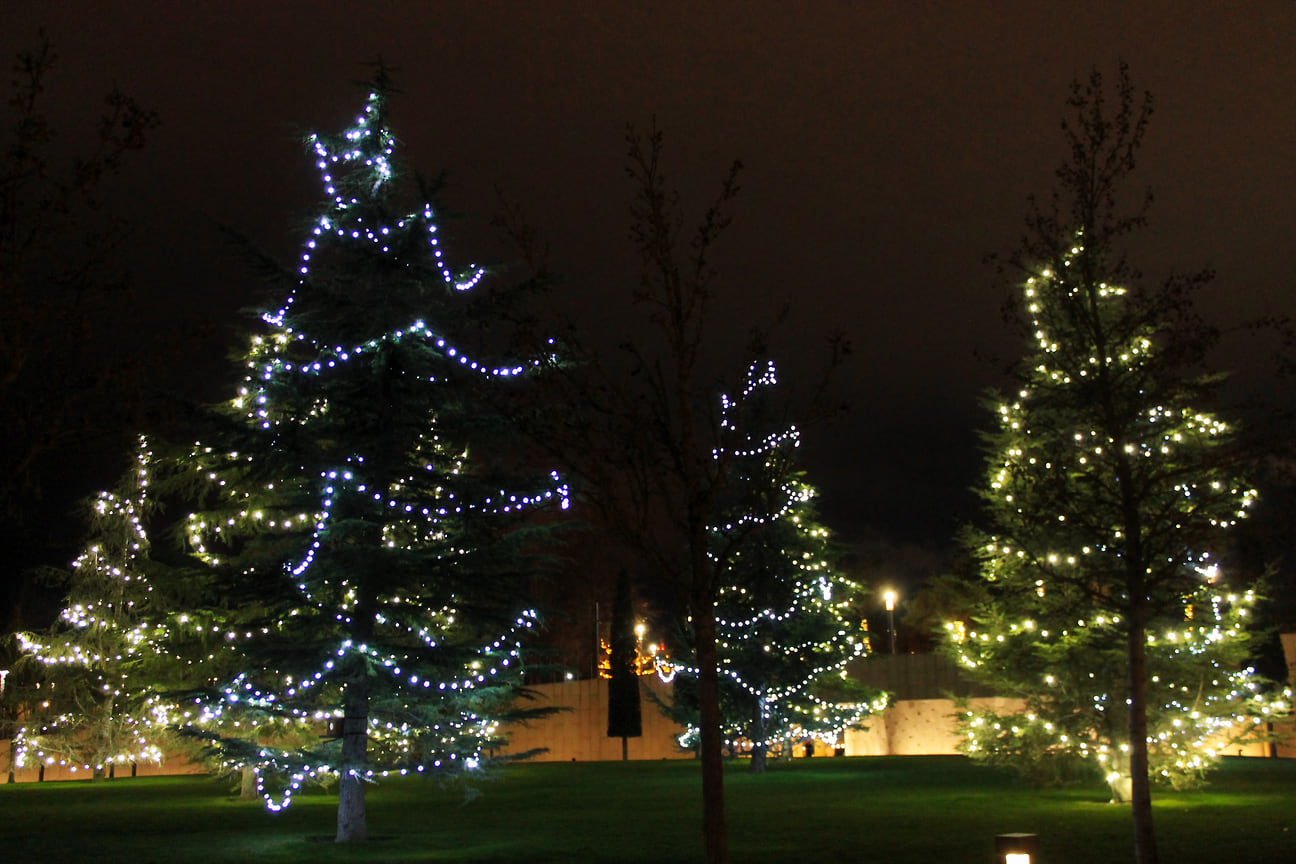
(1060, 620)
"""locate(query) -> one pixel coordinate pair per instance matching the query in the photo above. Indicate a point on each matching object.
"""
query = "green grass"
(894, 809)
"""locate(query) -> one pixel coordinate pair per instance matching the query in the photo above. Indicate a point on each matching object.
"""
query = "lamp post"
(890, 597)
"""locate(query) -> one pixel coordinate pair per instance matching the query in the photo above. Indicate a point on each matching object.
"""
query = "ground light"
(1017, 849)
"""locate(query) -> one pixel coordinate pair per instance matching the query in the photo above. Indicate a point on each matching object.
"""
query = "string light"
(1068, 464)
(783, 631)
(379, 564)
(93, 715)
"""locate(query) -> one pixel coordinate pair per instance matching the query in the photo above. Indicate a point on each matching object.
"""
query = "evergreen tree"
(625, 719)
(95, 702)
(782, 629)
(360, 508)
(1110, 495)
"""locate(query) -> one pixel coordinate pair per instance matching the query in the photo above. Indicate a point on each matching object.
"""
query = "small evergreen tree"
(359, 509)
(783, 632)
(625, 718)
(95, 700)
(1110, 494)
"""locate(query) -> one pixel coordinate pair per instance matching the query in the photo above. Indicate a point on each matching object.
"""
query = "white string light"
(432, 678)
(802, 595)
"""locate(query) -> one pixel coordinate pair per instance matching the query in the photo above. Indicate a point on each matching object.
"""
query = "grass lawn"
(891, 809)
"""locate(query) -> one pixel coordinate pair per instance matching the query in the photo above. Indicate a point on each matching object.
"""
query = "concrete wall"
(916, 727)
(60, 771)
(578, 733)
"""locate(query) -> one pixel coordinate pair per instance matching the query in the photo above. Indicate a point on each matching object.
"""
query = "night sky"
(888, 148)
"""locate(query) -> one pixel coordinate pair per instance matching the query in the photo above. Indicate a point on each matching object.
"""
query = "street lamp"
(890, 597)
(640, 629)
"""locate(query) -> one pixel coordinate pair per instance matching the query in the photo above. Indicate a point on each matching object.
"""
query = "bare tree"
(66, 376)
(650, 438)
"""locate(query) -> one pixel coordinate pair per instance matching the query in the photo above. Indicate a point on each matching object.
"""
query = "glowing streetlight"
(890, 597)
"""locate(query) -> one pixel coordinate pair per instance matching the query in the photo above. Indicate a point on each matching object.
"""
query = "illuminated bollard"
(1017, 849)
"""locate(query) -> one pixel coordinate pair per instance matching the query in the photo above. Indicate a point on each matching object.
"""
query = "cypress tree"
(625, 718)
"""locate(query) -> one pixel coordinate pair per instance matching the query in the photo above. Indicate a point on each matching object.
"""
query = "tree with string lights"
(1110, 495)
(360, 507)
(93, 696)
(784, 631)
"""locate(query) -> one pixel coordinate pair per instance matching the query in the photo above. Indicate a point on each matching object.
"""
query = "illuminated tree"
(1110, 495)
(625, 719)
(94, 701)
(359, 506)
(783, 632)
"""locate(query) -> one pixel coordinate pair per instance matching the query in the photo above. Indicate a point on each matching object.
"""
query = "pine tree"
(782, 628)
(787, 636)
(96, 704)
(376, 543)
(1110, 495)
(625, 719)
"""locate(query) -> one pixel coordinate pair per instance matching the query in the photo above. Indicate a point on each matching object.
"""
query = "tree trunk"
(351, 826)
(715, 838)
(1145, 851)
(248, 784)
(760, 748)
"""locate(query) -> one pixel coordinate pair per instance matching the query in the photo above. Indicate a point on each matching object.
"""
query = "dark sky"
(888, 147)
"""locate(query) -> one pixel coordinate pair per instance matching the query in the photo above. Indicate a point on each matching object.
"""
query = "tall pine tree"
(1110, 494)
(360, 506)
